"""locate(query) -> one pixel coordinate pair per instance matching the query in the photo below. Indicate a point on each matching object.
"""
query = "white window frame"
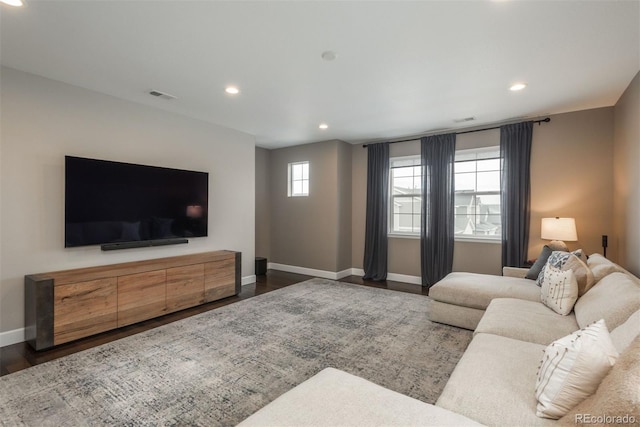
(416, 235)
(416, 161)
(305, 178)
(495, 238)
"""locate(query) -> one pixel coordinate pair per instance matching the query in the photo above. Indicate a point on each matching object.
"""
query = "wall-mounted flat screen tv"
(111, 202)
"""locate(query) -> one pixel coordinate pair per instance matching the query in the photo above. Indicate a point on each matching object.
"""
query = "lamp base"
(558, 245)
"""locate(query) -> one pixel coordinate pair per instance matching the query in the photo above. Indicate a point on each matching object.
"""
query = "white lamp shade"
(559, 229)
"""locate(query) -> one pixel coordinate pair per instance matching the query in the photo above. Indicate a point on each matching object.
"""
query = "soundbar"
(142, 244)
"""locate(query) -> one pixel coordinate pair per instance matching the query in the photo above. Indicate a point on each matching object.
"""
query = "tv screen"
(109, 202)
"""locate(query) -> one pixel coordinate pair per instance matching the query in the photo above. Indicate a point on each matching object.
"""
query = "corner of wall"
(626, 177)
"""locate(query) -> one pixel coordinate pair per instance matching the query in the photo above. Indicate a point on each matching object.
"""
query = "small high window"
(298, 179)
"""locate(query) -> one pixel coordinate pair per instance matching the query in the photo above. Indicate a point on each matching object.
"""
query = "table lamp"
(557, 230)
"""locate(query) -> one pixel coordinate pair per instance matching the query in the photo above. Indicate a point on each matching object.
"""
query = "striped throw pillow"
(559, 290)
(572, 368)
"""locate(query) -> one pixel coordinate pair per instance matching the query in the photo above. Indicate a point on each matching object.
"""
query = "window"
(477, 193)
(476, 199)
(405, 180)
(298, 179)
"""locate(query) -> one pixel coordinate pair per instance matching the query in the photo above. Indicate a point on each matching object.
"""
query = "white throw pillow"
(570, 261)
(572, 368)
(559, 290)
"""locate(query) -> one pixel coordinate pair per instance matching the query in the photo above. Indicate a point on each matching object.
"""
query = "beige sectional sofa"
(494, 381)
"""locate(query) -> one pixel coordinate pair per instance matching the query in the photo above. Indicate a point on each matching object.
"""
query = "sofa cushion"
(525, 320)
(623, 335)
(617, 396)
(477, 290)
(570, 261)
(456, 315)
(572, 369)
(333, 397)
(493, 382)
(601, 267)
(614, 298)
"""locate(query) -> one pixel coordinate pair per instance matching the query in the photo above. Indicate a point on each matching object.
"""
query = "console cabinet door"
(141, 296)
(185, 287)
(83, 309)
(220, 278)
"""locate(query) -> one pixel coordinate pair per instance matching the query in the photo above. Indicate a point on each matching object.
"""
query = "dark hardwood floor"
(20, 356)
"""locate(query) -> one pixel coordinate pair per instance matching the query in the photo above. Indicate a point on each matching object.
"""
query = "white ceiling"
(403, 68)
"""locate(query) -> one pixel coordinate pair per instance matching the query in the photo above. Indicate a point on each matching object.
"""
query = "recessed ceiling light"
(518, 86)
(329, 55)
(12, 2)
(323, 126)
(232, 90)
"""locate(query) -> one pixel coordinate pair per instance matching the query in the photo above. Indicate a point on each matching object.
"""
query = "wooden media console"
(63, 306)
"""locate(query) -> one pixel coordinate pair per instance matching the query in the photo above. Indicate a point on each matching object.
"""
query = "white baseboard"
(11, 337)
(415, 280)
(333, 275)
(357, 272)
(247, 280)
(396, 277)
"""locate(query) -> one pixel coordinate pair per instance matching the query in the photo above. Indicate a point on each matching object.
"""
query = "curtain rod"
(545, 120)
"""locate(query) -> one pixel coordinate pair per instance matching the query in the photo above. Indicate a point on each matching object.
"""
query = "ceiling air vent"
(162, 95)
(465, 119)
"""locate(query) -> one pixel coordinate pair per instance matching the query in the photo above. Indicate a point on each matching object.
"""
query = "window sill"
(403, 236)
(456, 239)
(477, 240)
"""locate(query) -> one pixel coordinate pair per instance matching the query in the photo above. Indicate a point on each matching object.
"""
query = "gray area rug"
(217, 368)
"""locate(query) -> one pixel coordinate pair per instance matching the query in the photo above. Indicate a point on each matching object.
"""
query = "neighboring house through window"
(298, 179)
(477, 194)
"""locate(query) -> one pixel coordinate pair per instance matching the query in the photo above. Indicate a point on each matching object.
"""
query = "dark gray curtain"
(515, 153)
(375, 239)
(436, 237)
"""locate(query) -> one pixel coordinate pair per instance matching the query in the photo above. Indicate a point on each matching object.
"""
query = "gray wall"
(44, 120)
(572, 176)
(308, 231)
(263, 203)
(343, 207)
(627, 177)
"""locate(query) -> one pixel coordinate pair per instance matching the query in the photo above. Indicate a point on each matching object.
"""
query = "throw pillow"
(617, 400)
(535, 269)
(559, 290)
(570, 261)
(572, 369)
